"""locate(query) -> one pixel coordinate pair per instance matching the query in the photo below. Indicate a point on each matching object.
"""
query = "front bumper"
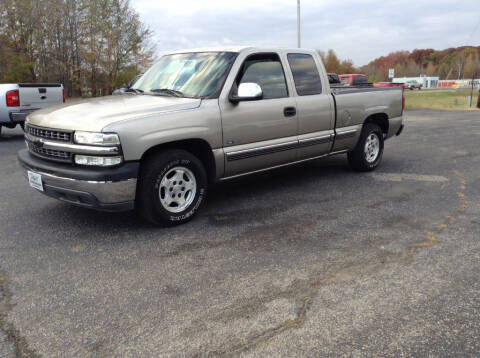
(107, 189)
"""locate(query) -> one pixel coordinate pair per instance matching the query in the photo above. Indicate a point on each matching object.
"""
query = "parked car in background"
(127, 85)
(412, 84)
(17, 100)
(333, 78)
(353, 79)
(195, 118)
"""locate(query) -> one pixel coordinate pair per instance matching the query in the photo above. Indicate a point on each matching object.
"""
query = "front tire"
(172, 187)
(368, 152)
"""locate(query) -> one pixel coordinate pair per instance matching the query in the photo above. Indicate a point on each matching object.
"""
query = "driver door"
(261, 133)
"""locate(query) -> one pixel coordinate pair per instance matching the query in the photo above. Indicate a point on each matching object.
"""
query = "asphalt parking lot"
(313, 261)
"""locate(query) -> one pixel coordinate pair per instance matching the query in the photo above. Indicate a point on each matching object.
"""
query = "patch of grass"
(440, 99)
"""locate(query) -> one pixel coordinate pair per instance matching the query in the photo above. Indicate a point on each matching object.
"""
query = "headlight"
(97, 161)
(96, 138)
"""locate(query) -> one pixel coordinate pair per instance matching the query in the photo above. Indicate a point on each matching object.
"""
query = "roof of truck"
(239, 49)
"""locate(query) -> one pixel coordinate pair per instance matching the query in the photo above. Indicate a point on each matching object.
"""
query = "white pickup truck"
(19, 100)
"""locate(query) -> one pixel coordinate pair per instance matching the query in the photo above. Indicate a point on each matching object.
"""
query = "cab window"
(305, 74)
(266, 70)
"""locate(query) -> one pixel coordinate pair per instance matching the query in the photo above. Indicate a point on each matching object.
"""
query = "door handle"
(289, 111)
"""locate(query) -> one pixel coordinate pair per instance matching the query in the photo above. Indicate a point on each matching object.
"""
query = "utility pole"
(471, 92)
(299, 35)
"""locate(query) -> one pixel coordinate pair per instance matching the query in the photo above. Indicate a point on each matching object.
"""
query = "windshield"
(195, 75)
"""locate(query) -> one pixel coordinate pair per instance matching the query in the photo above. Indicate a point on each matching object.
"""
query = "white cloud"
(357, 29)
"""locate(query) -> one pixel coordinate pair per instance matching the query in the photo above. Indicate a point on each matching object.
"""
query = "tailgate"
(40, 95)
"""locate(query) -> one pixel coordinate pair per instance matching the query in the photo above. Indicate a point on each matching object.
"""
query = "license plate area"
(35, 180)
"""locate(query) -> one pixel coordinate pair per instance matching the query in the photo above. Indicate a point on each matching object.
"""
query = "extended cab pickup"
(197, 117)
(19, 100)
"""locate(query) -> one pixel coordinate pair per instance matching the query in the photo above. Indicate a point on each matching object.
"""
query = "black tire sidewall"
(150, 201)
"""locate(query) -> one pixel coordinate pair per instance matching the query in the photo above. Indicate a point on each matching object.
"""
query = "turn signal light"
(13, 98)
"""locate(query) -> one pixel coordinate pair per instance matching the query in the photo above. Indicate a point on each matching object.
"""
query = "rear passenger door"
(261, 133)
(315, 109)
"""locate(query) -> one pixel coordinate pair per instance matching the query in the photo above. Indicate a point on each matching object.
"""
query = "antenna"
(299, 35)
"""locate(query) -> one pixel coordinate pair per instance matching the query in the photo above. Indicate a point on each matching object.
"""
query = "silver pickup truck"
(19, 100)
(200, 116)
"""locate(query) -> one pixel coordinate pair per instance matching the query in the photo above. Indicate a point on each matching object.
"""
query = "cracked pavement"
(313, 260)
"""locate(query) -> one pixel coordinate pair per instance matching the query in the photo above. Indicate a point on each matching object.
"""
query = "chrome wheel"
(177, 189)
(372, 147)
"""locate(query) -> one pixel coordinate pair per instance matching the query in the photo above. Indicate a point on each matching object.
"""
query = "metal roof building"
(427, 82)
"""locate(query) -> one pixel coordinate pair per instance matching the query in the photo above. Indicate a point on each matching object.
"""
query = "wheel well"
(380, 119)
(197, 147)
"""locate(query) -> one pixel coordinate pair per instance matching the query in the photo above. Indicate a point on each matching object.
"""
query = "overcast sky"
(360, 30)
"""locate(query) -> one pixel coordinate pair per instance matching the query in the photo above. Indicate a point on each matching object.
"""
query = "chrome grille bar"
(49, 133)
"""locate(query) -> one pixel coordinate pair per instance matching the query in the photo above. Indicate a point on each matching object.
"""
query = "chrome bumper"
(111, 195)
(20, 116)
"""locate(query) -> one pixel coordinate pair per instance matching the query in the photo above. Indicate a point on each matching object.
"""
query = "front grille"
(49, 134)
(50, 153)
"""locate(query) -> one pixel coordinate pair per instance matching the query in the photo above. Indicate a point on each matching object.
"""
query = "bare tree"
(88, 45)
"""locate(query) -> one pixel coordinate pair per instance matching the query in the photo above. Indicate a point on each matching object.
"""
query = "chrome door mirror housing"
(247, 91)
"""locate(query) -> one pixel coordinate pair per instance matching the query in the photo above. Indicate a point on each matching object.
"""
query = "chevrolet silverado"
(200, 116)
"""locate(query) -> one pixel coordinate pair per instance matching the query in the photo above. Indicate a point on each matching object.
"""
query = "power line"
(473, 32)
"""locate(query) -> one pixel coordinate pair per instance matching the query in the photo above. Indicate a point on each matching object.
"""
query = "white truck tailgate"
(40, 95)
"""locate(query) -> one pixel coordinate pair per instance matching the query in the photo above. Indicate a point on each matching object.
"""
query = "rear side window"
(267, 71)
(305, 74)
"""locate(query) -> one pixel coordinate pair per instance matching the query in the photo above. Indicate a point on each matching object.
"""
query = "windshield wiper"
(167, 91)
(135, 90)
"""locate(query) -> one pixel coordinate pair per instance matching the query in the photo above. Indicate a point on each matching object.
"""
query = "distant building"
(427, 82)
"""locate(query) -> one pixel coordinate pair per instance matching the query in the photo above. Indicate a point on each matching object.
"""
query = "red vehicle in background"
(353, 79)
(389, 84)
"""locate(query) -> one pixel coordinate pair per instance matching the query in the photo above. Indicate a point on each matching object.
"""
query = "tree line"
(334, 65)
(91, 46)
(449, 64)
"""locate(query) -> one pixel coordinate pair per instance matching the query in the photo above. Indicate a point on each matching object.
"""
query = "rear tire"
(22, 125)
(172, 187)
(0, 131)
(368, 152)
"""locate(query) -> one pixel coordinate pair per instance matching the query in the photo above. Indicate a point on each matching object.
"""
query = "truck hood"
(97, 113)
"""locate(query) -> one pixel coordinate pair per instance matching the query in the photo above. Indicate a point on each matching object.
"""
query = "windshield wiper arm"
(168, 91)
(135, 90)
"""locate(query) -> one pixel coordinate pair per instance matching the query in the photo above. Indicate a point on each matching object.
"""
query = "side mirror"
(247, 91)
